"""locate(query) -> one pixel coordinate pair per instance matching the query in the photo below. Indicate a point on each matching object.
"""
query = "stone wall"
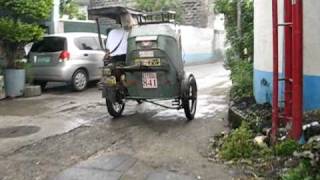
(195, 12)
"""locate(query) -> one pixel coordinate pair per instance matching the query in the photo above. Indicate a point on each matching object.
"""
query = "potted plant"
(18, 27)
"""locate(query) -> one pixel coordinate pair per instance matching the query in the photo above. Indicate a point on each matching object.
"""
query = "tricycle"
(145, 62)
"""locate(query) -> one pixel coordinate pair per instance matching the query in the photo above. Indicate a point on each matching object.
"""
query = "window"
(87, 43)
(50, 44)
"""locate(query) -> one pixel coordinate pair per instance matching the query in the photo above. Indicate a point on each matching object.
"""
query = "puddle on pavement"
(18, 131)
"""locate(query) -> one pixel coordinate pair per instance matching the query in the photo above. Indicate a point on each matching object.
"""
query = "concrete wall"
(65, 26)
(197, 46)
(263, 52)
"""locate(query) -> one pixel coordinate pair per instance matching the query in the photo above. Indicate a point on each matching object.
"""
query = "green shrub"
(303, 171)
(242, 78)
(239, 144)
(286, 148)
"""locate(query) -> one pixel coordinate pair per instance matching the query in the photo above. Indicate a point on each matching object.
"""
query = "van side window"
(87, 43)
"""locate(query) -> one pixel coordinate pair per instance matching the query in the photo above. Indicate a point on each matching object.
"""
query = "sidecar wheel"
(139, 101)
(115, 109)
(189, 98)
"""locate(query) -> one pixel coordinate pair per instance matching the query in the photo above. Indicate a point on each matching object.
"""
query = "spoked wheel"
(139, 101)
(79, 80)
(189, 99)
(115, 109)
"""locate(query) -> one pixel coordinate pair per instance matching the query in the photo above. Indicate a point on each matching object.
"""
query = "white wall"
(263, 50)
(263, 35)
(311, 35)
(197, 40)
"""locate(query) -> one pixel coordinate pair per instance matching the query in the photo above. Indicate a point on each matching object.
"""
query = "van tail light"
(64, 56)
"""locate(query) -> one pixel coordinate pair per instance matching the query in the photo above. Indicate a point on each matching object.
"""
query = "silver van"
(75, 58)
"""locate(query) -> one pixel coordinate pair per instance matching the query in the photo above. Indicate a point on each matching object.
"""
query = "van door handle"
(85, 54)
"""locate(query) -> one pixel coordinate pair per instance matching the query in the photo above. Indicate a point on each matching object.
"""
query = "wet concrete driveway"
(71, 136)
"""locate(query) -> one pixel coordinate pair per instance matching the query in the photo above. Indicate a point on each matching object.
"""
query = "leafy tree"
(160, 5)
(18, 25)
(70, 8)
(241, 44)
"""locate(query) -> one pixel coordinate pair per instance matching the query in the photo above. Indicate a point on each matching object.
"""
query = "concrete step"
(32, 91)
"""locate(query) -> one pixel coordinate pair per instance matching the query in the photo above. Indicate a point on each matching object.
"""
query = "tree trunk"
(239, 13)
(10, 52)
(239, 27)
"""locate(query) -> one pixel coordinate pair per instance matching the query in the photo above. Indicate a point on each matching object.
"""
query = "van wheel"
(79, 80)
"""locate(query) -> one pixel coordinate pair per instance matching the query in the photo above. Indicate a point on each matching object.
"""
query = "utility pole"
(55, 15)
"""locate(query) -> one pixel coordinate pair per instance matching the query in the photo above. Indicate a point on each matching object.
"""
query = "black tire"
(113, 111)
(79, 80)
(42, 84)
(139, 101)
(189, 98)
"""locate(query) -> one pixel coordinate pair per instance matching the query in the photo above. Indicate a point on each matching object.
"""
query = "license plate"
(42, 60)
(149, 80)
(149, 62)
(146, 54)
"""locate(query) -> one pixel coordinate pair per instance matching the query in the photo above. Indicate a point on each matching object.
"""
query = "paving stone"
(166, 175)
(104, 167)
(86, 174)
(118, 163)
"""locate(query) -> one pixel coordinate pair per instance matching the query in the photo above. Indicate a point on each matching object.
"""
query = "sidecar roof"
(113, 12)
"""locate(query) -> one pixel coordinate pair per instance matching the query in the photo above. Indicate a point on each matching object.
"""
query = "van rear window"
(50, 44)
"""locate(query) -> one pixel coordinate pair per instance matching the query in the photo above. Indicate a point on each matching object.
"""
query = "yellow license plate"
(149, 62)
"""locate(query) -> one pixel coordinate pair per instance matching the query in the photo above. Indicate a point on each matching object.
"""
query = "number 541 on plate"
(149, 80)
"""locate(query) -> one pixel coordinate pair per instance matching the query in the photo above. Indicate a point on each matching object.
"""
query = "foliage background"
(239, 55)
(160, 5)
(70, 8)
(18, 24)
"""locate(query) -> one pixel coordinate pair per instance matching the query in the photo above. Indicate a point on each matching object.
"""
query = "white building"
(263, 51)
